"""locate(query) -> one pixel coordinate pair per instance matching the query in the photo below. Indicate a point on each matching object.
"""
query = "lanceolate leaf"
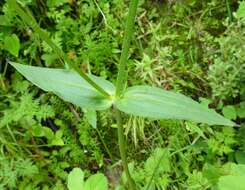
(157, 103)
(68, 85)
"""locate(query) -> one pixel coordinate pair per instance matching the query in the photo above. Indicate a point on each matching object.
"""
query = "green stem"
(2, 83)
(229, 10)
(122, 72)
(122, 149)
(29, 20)
(104, 144)
(14, 139)
(122, 83)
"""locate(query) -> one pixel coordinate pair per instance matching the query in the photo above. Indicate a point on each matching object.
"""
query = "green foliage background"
(189, 46)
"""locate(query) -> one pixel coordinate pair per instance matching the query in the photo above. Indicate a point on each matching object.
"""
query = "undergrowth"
(188, 46)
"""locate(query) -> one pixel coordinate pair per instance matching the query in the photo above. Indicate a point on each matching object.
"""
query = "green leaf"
(39, 131)
(75, 179)
(229, 112)
(96, 182)
(241, 110)
(240, 157)
(12, 44)
(68, 85)
(235, 180)
(91, 116)
(232, 182)
(57, 140)
(157, 103)
(160, 159)
(241, 10)
(4, 21)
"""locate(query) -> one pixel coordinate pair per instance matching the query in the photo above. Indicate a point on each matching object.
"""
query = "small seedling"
(95, 93)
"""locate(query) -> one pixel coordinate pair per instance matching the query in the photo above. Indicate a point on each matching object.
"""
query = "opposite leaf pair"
(142, 101)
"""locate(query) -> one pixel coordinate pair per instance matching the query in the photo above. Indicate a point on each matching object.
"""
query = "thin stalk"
(14, 139)
(122, 71)
(104, 144)
(29, 20)
(121, 85)
(229, 10)
(122, 149)
(2, 83)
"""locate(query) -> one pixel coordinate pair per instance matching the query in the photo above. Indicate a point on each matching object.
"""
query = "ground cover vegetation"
(191, 47)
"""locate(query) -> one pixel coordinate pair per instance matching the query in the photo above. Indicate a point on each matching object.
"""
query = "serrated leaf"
(39, 131)
(57, 140)
(159, 159)
(146, 101)
(68, 85)
(96, 182)
(76, 179)
(229, 112)
(12, 44)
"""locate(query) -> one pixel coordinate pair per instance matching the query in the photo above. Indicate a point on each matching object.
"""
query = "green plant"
(12, 44)
(14, 169)
(226, 74)
(234, 178)
(94, 182)
(95, 93)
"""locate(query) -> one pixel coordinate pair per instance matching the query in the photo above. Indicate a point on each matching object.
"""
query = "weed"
(179, 48)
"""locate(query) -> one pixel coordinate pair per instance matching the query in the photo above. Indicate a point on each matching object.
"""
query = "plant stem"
(121, 84)
(122, 149)
(29, 20)
(229, 10)
(2, 83)
(122, 72)
(104, 144)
